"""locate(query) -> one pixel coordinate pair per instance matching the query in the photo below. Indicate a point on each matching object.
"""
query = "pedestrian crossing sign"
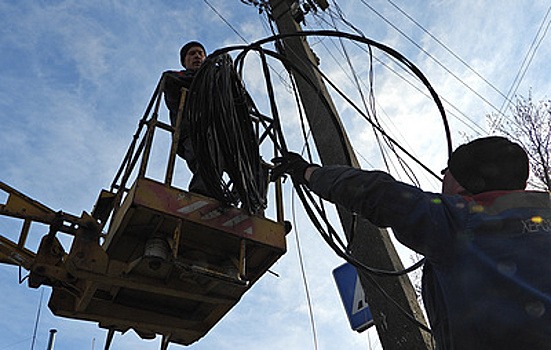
(353, 297)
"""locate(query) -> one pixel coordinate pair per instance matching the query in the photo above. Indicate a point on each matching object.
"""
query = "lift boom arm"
(46, 264)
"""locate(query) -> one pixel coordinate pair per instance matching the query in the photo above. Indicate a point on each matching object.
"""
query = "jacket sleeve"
(172, 86)
(423, 221)
(174, 81)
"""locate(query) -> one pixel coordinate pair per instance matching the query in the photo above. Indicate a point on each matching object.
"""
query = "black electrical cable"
(405, 167)
(222, 136)
(360, 266)
(270, 93)
(345, 254)
(370, 108)
(369, 120)
(329, 240)
(395, 54)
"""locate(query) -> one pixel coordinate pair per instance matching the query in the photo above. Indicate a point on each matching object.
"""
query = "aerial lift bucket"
(178, 262)
(171, 263)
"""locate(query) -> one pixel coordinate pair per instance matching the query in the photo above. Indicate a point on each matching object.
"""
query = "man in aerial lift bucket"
(192, 56)
(487, 241)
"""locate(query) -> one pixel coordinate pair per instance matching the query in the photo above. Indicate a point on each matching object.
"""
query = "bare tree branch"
(530, 125)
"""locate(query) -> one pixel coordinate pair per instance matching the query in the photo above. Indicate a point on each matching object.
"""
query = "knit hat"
(489, 164)
(185, 49)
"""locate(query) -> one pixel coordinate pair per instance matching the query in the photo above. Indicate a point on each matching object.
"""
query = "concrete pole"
(370, 245)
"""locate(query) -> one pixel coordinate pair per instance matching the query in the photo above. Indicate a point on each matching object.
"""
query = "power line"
(331, 236)
(371, 110)
(391, 52)
(446, 48)
(430, 56)
(523, 68)
(338, 63)
(225, 21)
(468, 122)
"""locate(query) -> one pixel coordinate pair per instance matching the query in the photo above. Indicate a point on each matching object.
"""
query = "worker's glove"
(292, 164)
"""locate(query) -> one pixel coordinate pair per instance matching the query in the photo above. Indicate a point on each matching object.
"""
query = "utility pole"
(370, 245)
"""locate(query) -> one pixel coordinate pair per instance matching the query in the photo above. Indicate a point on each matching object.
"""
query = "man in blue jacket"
(487, 241)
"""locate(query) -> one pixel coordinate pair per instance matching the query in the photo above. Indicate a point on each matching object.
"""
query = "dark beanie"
(185, 49)
(489, 164)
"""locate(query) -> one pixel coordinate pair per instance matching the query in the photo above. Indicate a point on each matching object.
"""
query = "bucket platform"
(177, 263)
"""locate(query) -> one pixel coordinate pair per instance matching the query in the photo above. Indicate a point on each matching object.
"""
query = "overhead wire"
(349, 101)
(306, 148)
(380, 46)
(466, 120)
(232, 27)
(255, 46)
(225, 21)
(383, 48)
(338, 63)
(358, 264)
(403, 78)
(372, 113)
(408, 171)
(369, 109)
(519, 76)
(450, 51)
(372, 108)
(485, 100)
(525, 64)
(383, 133)
(267, 18)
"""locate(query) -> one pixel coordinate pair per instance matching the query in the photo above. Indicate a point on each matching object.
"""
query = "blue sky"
(76, 76)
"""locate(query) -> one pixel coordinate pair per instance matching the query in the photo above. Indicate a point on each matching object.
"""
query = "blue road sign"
(353, 297)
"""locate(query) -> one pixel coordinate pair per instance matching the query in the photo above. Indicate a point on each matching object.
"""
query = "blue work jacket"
(487, 277)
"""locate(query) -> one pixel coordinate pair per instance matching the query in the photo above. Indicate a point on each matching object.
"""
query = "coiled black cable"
(218, 110)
